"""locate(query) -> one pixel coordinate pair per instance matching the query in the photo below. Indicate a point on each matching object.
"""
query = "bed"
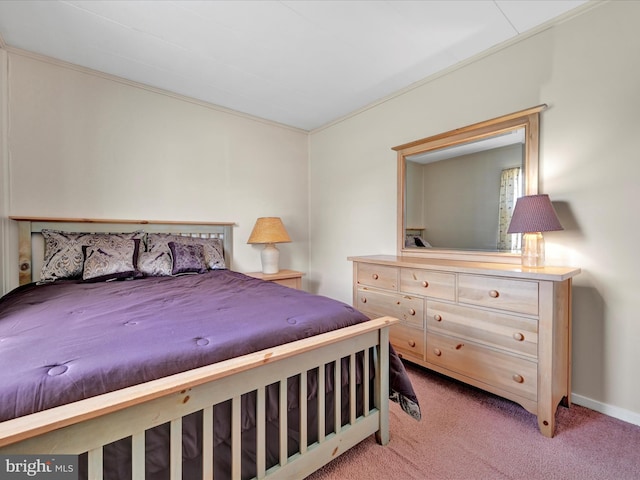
(198, 373)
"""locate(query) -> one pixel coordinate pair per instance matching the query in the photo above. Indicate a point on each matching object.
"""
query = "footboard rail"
(88, 425)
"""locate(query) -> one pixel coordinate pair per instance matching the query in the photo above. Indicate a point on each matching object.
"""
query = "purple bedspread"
(66, 341)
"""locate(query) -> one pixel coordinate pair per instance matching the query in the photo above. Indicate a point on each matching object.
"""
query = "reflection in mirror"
(456, 190)
(461, 197)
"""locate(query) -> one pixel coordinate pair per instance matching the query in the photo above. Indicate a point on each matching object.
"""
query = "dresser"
(499, 327)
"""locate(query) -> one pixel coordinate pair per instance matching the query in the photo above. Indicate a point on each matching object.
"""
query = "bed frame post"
(382, 387)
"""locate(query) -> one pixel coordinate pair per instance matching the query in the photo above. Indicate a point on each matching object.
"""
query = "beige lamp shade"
(269, 230)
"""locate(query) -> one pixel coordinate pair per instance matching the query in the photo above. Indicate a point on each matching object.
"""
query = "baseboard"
(610, 410)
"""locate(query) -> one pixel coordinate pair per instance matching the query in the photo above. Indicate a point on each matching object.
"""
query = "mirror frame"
(529, 119)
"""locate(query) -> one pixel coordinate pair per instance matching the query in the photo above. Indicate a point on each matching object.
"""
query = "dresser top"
(552, 273)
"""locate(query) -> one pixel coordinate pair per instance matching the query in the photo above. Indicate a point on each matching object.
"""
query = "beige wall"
(4, 174)
(586, 70)
(82, 144)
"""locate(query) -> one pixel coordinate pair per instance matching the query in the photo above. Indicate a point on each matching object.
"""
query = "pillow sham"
(103, 263)
(158, 243)
(187, 258)
(415, 241)
(63, 255)
(155, 264)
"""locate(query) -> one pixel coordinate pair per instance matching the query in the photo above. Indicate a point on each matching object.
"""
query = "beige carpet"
(466, 433)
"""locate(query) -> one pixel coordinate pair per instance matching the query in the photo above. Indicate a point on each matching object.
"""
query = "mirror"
(456, 190)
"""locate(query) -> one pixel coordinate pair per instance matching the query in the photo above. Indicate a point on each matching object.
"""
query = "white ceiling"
(301, 63)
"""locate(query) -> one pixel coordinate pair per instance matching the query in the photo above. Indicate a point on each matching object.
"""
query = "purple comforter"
(66, 341)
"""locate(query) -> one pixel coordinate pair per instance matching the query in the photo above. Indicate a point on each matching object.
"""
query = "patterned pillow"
(63, 255)
(187, 258)
(158, 243)
(155, 264)
(156, 260)
(103, 263)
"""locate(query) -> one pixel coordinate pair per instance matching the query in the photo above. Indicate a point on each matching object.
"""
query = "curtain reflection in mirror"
(510, 190)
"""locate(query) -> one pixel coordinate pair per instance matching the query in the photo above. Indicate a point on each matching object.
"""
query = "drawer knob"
(412, 311)
(425, 284)
(494, 294)
(437, 317)
(437, 352)
(518, 336)
(375, 276)
(363, 299)
(412, 343)
(517, 378)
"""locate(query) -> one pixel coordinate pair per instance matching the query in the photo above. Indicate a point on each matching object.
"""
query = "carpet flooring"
(468, 434)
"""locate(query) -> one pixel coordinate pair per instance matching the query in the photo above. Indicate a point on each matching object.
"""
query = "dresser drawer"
(519, 296)
(379, 276)
(407, 341)
(407, 308)
(428, 283)
(501, 370)
(499, 330)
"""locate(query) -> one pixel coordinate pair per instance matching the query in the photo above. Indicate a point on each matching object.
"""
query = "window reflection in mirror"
(456, 190)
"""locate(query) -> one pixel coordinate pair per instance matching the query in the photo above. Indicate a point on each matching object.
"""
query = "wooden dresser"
(496, 326)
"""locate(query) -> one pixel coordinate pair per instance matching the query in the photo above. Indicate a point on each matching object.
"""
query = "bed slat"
(352, 388)
(321, 404)
(303, 412)
(236, 438)
(261, 420)
(282, 415)
(207, 443)
(337, 395)
(176, 449)
(137, 455)
(366, 383)
(95, 464)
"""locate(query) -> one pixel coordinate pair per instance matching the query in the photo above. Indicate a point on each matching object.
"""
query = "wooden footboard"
(90, 424)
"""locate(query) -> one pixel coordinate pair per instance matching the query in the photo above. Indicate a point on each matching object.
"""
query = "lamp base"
(270, 257)
(533, 250)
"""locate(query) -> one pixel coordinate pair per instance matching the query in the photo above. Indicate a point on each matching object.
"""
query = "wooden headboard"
(31, 251)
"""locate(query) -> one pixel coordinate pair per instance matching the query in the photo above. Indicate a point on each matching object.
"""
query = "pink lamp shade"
(534, 213)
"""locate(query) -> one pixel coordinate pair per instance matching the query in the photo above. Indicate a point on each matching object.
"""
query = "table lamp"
(269, 230)
(532, 215)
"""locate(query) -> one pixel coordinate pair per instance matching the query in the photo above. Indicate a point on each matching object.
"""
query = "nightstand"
(288, 278)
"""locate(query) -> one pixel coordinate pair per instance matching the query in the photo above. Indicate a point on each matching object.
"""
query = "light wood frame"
(90, 424)
(527, 119)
